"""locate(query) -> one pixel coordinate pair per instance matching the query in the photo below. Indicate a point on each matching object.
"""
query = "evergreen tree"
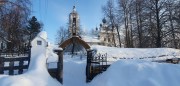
(34, 27)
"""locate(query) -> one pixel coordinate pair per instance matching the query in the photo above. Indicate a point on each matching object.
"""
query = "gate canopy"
(74, 40)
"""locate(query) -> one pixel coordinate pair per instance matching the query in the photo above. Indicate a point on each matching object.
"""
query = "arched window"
(104, 39)
(109, 40)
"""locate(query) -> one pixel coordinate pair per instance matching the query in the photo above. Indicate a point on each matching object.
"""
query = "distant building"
(3, 42)
(106, 34)
(102, 36)
(74, 25)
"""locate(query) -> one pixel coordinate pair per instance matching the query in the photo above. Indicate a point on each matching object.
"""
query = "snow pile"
(37, 73)
(43, 34)
(139, 73)
(150, 54)
(52, 57)
(74, 71)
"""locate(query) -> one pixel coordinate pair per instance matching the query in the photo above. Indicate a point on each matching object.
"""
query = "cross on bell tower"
(74, 22)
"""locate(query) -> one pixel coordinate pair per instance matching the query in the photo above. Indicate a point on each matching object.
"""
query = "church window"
(1, 45)
(109, 40)
(74, 21)
(104, 39)
(39, 42)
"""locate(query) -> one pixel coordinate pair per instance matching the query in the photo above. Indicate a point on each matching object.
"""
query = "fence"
(95, 65)
(14, 66)
(57, 72)
(14, 62)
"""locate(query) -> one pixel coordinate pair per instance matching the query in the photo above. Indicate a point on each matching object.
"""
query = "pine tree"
(34, 27)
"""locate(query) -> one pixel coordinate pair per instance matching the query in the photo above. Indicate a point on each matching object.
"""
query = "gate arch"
(74, 40)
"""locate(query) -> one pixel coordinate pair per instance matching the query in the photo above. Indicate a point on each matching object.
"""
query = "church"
(104, 35)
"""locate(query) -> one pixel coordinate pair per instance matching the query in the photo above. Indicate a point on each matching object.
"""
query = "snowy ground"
(74, 71)
(139, 73)
(148, 54)
(121, 73)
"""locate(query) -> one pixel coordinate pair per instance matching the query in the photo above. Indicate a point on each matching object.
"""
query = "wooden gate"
(95, 65)
(13, 63)
(58, 72)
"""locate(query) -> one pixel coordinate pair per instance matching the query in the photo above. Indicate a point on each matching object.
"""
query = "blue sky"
(54, 13)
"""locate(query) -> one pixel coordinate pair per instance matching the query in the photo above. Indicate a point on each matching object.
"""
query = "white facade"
(106, 35)
(40, 40)
(91, 40)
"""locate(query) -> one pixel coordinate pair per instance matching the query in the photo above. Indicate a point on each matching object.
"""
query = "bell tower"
(74, 22)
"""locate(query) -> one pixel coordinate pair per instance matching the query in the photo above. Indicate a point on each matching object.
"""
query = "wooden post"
(1, 65)
(11, 65)
(21, 62)
(29, 54)
(88, 66)
(106, 60)
(0, 52)
(60, 65)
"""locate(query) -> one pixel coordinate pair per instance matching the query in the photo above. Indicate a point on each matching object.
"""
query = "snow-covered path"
(74, 71)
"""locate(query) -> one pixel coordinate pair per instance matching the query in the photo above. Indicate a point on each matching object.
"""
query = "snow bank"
(52, 56)
(139, 73)
(43, 34)
(37, 73)
(150, 54)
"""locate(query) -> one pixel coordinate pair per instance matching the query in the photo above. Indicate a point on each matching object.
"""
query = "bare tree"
(109, 12)
(13, 19)
(156, 8)
(62, 35)
(149, 23)
(126, 7)
(169, 23)
(139, 21)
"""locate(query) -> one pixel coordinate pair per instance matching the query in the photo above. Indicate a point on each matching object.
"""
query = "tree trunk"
(158, 39)
(172, 26)
(119, 37)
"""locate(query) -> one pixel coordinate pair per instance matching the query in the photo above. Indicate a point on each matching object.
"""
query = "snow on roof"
(90, 39)
(43, 34)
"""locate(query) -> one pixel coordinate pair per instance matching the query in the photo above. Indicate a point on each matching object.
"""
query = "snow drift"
(37, 73)
(139, 73)
(148, 54)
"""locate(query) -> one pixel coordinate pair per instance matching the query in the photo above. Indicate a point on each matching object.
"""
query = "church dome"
(100, 25)
(104, 20)
(96, 29)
